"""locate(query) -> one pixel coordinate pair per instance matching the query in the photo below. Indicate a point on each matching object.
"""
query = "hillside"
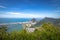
(54, 21)
(46, 32)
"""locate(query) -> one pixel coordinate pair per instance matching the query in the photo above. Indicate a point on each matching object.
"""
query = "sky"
(29, 8)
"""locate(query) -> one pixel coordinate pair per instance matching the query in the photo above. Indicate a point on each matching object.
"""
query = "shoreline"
(14, 23)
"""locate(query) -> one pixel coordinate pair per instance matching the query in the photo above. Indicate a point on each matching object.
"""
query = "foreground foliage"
(46, 32)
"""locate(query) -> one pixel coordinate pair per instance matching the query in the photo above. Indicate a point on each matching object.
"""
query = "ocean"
(14, 27)
(8, 20)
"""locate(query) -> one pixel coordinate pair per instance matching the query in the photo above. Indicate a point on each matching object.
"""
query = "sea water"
(14, 27)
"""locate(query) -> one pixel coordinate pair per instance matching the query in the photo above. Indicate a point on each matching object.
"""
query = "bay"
(14, 27)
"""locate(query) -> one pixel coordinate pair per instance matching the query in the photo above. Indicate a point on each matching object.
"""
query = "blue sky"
(29, 8)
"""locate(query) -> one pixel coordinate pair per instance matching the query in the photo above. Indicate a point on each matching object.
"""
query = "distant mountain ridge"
(54, 21)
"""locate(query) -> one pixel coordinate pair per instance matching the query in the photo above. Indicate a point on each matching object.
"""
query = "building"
(30, 29)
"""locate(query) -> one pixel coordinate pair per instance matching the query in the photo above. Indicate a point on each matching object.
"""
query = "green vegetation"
(46, 32)
(54, 21)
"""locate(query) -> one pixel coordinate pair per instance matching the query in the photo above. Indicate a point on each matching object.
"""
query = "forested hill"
(55, 21)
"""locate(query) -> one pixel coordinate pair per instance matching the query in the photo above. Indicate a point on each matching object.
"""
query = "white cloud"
(25, 15)
(2, 6)
(18, 15)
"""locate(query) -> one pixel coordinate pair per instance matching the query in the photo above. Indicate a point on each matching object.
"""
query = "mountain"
(54, 21)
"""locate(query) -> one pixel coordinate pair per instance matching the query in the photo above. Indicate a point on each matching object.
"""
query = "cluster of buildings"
(28, 26)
